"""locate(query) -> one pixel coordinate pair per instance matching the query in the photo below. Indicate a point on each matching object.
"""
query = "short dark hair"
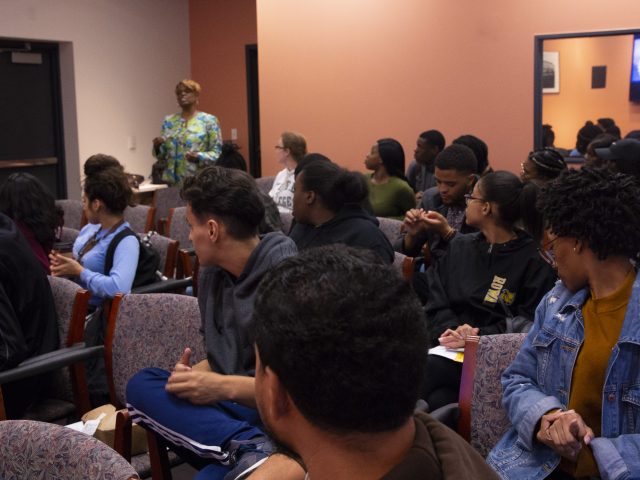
(434, 138)
(609, 126)
(105, 180)
(548, 161)
(457, 157)
(548, 135)
(308, 158)
(227, 194)
(392, 156)
(25, 199)
(335, 186)
(479, 148)
(346, 336)
(587, 133)
(230, 157)
(597, 207)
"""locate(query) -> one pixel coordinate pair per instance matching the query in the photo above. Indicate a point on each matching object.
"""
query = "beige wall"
(219, 30)
(577, 102)
(347, 72)
(120, 62)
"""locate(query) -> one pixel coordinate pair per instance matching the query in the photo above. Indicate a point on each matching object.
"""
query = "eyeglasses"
(278, 147)
(468, 198)
(546, 252)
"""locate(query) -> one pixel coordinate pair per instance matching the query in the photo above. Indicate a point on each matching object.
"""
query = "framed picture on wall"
(550, 72)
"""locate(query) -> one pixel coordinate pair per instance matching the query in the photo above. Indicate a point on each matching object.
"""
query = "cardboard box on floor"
(107, 428)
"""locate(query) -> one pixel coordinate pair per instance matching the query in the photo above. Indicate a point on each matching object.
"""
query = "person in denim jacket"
(572, 393)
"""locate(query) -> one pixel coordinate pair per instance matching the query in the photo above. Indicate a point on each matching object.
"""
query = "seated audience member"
(484, 279)
(106, 194)
(585, 135)
(327, 208)
(203, 410)
(291, 148)
(601, 141)
(622, 156)
(420, 170)
(455, 176)
(571, 391)
(635, 134)
(480, 150)
(339, 388)
(608, 125)
(25, 200)
(548, 136)
(542, 166)
(28, 320)
(230, 157)
(389, 193)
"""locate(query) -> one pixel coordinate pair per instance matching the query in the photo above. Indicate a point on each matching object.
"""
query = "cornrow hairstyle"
(549, 162)
(597, 207)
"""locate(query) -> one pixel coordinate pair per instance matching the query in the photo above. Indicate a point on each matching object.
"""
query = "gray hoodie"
(226, 306)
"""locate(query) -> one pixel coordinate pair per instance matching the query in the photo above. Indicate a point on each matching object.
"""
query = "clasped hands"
(565, 432)
(200, 387)
(189, 156)
(457, 338)
(417, 220)
(64, 266)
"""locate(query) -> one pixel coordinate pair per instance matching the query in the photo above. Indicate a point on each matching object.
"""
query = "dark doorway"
(253, 103)
(31, 137)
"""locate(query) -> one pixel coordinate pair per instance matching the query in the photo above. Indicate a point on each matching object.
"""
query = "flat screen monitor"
(634, 89)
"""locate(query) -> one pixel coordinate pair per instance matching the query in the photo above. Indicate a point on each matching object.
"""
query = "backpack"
(148, 260)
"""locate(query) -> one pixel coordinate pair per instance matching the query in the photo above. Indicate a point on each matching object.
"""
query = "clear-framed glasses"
(546, 252)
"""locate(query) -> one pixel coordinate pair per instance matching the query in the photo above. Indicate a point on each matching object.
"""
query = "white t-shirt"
(282, 190)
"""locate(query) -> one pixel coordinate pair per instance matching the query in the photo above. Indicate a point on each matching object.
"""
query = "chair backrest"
(149, 330)
(167, 248)
(69, 234)
(74, 216)
(287, 220)
(166, 199)
(177, 226)
(71, 303)
(140, 217)
(390, 227)
(43, 450)
(265, 183)
(483, 421)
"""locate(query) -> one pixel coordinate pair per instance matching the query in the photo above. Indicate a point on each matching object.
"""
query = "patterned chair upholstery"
(287, 220)
(65, 391)
(177, 227)
(42, 450)
(69, 234)
(265, 183)
(482, 418)
(390, 227)
(140, 217)
(150, 330)
(164, 200)
(167, 248)
(73, 213)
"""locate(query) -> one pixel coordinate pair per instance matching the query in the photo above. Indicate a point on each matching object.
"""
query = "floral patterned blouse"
(200, 134)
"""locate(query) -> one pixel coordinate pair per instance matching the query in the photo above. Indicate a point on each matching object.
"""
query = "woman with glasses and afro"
(573, 392)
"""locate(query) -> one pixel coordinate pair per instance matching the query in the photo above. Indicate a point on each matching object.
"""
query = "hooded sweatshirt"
(352, 226)
(438, 453)
(482, 284)
(226, 306)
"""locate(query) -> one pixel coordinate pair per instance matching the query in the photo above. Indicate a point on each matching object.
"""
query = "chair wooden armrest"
(122, 435)
(160, 467)
(407, 268)
(466, 386)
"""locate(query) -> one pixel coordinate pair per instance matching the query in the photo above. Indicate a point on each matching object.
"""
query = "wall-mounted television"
(634, 88)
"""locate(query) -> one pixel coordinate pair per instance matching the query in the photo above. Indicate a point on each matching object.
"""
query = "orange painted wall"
(577, 102)
(345, 73)
(219, 31)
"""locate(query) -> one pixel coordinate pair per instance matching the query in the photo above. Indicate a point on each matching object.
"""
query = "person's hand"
(192, 157)
(564, 432)
(158, 141)
(412, 223)
(197, 386)
(457, 338)
(436, 222)
(64, 266)
(184, 364)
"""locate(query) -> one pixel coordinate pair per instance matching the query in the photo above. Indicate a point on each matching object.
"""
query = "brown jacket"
(438, 453)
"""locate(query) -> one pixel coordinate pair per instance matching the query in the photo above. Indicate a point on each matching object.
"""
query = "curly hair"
(25, 199)
(597, 207)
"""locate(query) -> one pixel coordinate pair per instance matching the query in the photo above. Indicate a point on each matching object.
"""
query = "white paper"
(91, 426)
(455, 354)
